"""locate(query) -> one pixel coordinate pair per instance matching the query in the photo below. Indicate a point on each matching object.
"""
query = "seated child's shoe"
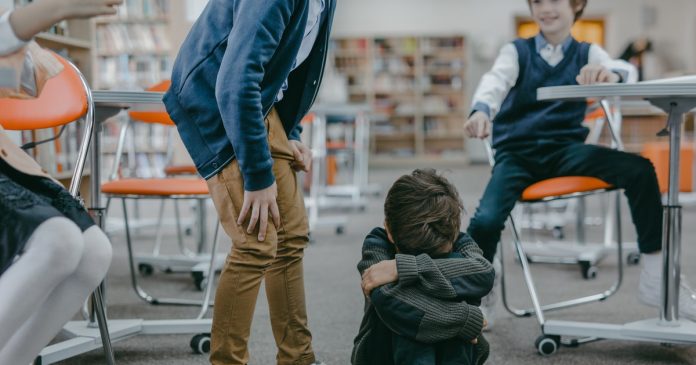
(489, 302)
(650, 287)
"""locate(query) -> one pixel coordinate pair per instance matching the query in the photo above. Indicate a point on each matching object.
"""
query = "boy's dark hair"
(423, 213)
(573, 3)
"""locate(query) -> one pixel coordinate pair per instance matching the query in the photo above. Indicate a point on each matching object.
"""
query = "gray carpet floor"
(335, 301)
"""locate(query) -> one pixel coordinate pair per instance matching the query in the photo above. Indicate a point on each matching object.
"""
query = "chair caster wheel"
(589, 271)
(340, 230)
(633, 258)
(145, 269)
(547, 345)
(199, 280)
(558, 233)
(200, 343)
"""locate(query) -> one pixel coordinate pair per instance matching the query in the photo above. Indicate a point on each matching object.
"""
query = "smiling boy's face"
(554, 17)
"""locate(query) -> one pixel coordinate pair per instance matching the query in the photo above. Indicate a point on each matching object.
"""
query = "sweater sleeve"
(464, 275)
(410, 313)
(252, 43)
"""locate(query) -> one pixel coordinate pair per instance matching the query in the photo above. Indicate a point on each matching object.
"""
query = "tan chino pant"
(278, 260)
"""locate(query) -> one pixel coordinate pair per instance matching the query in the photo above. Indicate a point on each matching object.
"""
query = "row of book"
(132, 72)
(115, 39)
(143, 9)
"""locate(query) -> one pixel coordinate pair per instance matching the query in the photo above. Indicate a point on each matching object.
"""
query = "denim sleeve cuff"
(295, 133)
(481, 107)
(474, 324)
(407, 268)
(623, 75)
(258, 180)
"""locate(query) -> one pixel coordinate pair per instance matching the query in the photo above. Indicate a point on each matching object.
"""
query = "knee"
(96, 256)
(486, 223)
(641, 170)
(60, 243)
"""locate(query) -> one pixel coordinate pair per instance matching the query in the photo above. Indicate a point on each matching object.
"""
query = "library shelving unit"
(418, 84)
(132, 51)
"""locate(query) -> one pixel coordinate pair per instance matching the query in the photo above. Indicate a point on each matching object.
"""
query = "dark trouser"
(517, 168)
(455, 351)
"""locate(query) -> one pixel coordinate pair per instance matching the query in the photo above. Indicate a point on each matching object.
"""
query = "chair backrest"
(158, 117)
(62, 101)
(65, 98)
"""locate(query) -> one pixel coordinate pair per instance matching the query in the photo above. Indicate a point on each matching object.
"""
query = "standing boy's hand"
(383, 272)
(595, 74)
(260, 202)
(303, 156)
(478, 125)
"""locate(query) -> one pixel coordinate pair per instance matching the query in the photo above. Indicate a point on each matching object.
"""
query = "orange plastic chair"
(658, 154)
(554, 189)
(170, 188)
(66, 98)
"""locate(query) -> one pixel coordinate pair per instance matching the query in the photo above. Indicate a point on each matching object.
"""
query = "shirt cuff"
(481, 107)
(623, 75)
(9, 43)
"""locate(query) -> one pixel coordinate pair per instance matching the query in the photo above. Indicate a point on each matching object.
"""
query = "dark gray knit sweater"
(432, 301)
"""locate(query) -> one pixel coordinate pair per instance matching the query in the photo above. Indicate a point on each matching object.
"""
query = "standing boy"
(539, 140)
(245, 76)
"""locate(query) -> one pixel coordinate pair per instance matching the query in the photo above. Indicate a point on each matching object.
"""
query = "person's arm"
(410, 313)
(258, 29)
(496, 83)
(464, 275)
(29, 20)
(601, 68)
(626, 71)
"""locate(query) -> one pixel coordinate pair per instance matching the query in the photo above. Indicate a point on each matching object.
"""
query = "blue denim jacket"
(228, 73)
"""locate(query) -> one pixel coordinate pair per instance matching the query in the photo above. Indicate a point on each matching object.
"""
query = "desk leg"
(671, 244)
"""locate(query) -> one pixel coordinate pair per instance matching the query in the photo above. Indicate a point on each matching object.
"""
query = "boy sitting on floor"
(423, 280)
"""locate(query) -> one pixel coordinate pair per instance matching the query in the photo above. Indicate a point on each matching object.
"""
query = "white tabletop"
(140, 100)
(652, 90)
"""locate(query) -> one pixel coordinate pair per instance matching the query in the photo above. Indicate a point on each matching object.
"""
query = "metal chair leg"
(538, 309)
(142, 294)
(98, 299)
(211, 275)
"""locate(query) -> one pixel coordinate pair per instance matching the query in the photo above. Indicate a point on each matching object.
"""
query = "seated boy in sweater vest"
(423, 280)
(536, 140)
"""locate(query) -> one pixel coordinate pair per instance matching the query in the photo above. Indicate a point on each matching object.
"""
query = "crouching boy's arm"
(463, 275)
(409, 312)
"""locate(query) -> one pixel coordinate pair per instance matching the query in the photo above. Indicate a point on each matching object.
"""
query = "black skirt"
(26, 201)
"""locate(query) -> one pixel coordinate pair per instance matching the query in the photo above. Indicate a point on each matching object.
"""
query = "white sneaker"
(650, 288)
(488, 303)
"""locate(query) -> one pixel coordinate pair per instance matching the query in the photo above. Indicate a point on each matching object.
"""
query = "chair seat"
(181, 170)
(156, 187)
(559, 186)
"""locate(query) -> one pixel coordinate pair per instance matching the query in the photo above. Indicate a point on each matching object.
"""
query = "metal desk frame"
(676, 99)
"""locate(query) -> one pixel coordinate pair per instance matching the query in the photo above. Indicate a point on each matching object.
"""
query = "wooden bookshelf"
(132, 50)
(418, 82)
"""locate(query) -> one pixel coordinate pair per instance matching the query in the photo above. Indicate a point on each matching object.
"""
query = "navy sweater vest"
(522, 118)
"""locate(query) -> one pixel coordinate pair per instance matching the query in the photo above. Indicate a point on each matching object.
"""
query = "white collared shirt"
(496, 83)
(316, 8)
(9, 43)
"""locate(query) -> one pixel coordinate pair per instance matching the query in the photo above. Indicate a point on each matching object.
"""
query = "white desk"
(676, 99)
(85, 335)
